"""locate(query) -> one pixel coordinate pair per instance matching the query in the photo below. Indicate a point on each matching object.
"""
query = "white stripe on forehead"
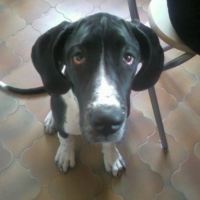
(105, 91)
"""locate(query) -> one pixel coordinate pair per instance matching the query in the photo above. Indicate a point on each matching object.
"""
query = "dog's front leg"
(65, 156)
(113, 160)
(49, 124)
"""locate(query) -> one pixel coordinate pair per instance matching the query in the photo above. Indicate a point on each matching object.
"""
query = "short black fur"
(103, 40)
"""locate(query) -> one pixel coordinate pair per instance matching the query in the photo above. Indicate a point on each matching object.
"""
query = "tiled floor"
(27, 169)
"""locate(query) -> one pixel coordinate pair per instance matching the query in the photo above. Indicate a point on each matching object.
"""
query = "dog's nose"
(107, 120)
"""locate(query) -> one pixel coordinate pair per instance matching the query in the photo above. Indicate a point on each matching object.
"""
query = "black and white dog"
(95, 59)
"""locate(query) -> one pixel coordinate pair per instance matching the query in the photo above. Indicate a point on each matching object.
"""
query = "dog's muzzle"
(104, 123)
(107, 120)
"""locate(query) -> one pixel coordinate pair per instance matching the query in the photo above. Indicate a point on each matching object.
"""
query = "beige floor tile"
(193, 65)
(137, 130)
(45, 195)
(145, 5)
(6, 157)
(79, 183)
(20, 78)
(48, 20)
(16, 183)
(187, 179)
(8, 60)
(92, 156)
(53, 3)
(116, 7)
(10, 23)
(95, 11)
(177, 82)
(167, 103)
(2, 6)
(108, 194)
(96, 3)
(39, 105)
(74, 9)
(23, 41)
(79, 143)
(184, 125)
(7, 2)
(133, 94)
(139, 3)
(173, 53)
(169, 192)
(39, 159)
(138, 182)
(163, 162)
(197, 150)
(192, 99)
(30, 9)
(19, 131)
(142, 16)
(8, 106)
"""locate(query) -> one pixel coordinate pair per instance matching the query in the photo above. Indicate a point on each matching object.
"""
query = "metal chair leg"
(133, 9)
(156, 110)
(152, 93)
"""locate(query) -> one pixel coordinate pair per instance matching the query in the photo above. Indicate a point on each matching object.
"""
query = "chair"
(160, 23)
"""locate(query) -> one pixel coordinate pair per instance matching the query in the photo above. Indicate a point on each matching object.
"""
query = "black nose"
(107, 120)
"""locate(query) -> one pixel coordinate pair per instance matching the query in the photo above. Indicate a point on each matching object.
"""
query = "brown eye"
(128, 59)
(78, 59)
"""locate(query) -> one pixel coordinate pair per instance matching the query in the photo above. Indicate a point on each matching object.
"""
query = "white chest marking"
(72, 116)
(2, 85)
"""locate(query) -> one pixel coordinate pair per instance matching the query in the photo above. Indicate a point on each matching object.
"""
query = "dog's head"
(97, 57)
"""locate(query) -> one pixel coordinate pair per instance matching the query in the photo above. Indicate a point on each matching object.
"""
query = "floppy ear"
(152, 57)
(45, 56)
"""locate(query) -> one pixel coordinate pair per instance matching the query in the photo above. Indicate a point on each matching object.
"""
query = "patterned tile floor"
(27, 169)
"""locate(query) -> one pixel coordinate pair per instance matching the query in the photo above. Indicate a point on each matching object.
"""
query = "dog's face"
(102, 63)
(98, 58)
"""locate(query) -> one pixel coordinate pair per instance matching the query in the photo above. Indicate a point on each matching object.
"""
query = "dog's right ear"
(45, 56)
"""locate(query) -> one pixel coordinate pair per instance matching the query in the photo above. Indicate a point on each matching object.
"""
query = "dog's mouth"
(103, 124)
(91, 136)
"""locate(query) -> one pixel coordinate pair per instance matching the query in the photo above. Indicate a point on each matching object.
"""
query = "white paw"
(65, 156)
(49, 124)
(113, 160)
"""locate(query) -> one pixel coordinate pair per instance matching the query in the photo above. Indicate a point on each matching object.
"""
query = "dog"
(95, 60)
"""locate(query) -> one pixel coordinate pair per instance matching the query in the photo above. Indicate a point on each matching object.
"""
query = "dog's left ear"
(45, 55)
(152, 57)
